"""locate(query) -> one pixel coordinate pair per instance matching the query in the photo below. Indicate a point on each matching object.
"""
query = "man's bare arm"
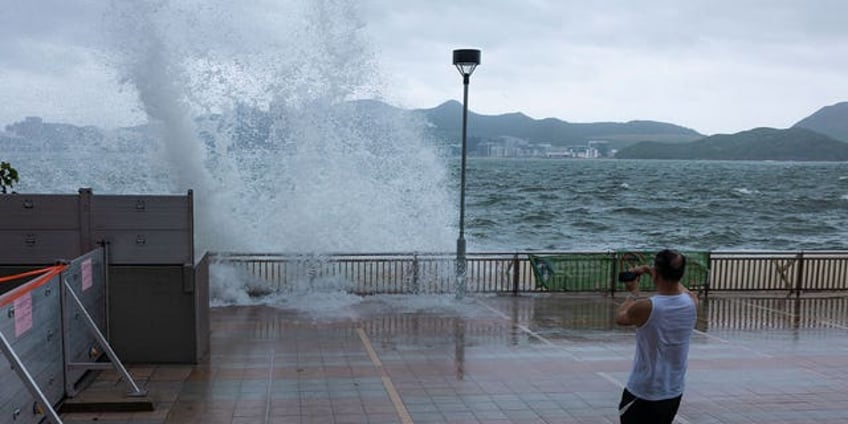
(633, 312)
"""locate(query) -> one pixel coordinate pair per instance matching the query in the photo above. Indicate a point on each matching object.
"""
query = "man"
(664, 328)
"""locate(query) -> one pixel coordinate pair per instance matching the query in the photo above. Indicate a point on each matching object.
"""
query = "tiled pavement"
(496, 359)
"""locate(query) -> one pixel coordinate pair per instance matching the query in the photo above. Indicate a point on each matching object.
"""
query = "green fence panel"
(573, 271)
(697, 267)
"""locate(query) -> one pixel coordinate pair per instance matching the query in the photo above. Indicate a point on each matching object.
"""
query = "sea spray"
(153, 66)
(259, 109)
(266, 131)
(267, 137)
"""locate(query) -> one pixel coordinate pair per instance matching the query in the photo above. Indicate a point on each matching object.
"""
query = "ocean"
(562, 204)
(284, 202)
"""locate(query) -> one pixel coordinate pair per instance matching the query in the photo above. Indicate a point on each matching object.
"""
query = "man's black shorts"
(632, 410)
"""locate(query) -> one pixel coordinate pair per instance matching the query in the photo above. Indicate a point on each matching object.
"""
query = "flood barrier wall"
(158, 296)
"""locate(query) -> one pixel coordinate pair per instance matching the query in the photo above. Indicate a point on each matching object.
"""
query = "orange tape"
(25, 274)
(49, 273)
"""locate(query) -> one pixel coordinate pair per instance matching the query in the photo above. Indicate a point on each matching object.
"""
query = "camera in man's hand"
(628, 276)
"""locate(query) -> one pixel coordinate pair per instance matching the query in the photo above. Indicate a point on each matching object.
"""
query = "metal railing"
(801, 271)
(393, 273)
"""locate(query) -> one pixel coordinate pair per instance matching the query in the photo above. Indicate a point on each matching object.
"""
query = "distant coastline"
(822, 136)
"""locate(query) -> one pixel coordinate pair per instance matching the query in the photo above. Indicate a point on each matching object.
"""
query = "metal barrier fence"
(391, 273)
(51, 333)
(375, 273)
(792, 271)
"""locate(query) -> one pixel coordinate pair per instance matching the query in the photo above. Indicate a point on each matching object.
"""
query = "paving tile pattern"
(538, 359)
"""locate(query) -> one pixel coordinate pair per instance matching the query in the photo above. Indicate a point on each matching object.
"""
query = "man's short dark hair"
(670, 265)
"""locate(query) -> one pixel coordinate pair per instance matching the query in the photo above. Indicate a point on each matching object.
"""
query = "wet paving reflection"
(502, 322)
(583, 326)
(531, 358)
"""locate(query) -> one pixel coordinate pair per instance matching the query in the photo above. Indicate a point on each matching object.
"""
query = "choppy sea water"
(518, 204)
(555, 204)
(521, 204)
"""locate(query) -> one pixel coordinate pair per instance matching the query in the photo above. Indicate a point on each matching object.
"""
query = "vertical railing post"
(709, 275)
(799, 278)
(613, 276)
(415, 283)
(516, 274)
(707, 285)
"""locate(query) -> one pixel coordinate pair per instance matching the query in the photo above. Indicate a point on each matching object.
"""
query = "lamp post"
(465, 60)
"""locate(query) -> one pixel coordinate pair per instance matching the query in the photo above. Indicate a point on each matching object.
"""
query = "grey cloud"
(528, 43)
(73, 22)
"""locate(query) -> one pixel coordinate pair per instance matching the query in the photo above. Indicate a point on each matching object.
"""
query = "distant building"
(29, 127)
(577, 152)
(602, 146)
(507, 146)
(559, 154)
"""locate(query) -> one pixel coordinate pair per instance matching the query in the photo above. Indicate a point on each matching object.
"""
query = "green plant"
(8, 176)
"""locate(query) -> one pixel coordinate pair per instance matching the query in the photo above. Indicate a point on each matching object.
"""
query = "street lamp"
(465, 60)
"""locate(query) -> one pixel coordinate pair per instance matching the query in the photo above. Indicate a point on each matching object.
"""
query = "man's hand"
(634, 310)
(633, 286)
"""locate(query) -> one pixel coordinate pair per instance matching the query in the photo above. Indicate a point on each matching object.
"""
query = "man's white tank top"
(662, 348)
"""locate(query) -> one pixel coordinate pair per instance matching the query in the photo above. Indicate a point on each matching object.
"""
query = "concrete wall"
(158, 307)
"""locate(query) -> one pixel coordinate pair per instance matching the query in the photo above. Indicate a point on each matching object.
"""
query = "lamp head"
(466, 60)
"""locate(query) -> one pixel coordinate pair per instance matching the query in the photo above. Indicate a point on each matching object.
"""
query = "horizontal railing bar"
(496, 271)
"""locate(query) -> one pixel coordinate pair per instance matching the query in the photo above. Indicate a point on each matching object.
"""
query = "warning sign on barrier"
(23, 314)
(86, 274)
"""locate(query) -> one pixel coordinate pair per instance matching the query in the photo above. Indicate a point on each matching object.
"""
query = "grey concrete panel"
(140, 213)
(201, 284)
(33, 247)
(39, 211)
(146, 247)
(152, 232)
(152, 319)
(38, 229)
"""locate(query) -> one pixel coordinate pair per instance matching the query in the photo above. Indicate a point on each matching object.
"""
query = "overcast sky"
(717, 66)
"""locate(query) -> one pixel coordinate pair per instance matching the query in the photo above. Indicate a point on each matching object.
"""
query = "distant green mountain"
(446, 122)
(251, 127)
(793, 144)
(829, 120)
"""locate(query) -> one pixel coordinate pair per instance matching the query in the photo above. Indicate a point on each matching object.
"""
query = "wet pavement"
(495, 359)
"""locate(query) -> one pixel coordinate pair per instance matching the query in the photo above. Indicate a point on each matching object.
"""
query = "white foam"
(324, 176)
(745, 191)
(318, 305)
(330, 299)
(227, 286)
